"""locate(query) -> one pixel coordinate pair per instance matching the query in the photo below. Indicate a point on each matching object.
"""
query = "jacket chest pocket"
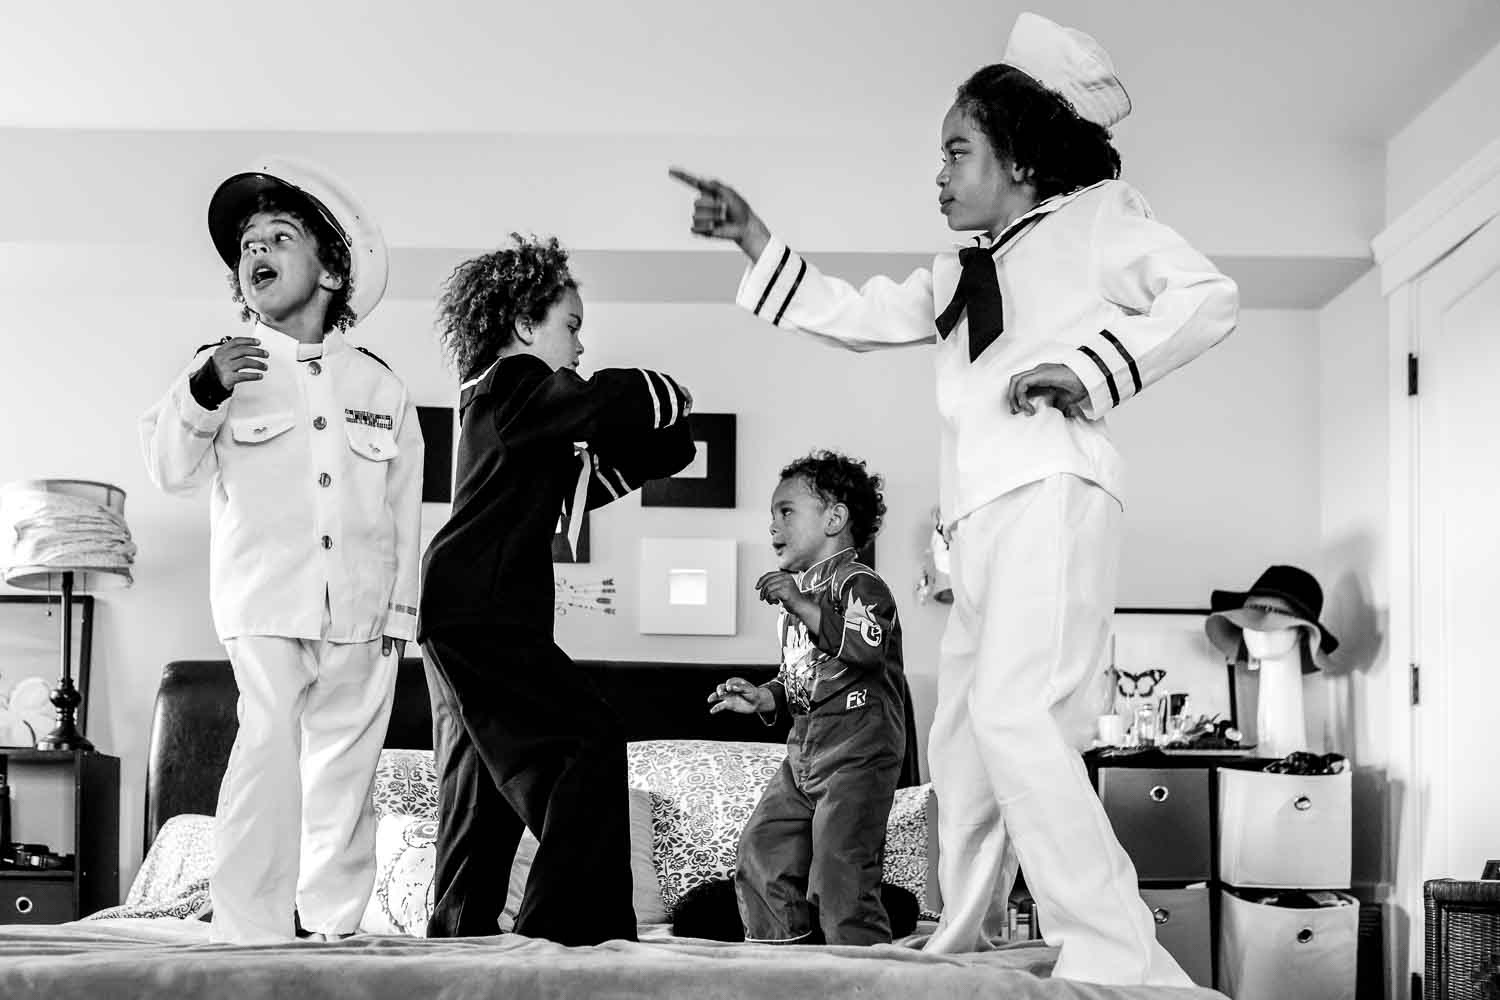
(378, 444)
(260, 429)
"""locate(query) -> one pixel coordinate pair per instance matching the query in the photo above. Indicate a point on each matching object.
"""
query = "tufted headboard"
(193, 725)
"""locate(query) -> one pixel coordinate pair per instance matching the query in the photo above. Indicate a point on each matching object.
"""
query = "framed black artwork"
(437, 461)
(709, 480)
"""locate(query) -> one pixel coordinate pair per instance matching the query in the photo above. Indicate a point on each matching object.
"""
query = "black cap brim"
(232, 200)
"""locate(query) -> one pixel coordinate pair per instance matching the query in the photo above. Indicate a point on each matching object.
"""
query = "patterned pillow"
(702, 794)
(173, 879)
(406, 858)
(406, 784)
(910, 845)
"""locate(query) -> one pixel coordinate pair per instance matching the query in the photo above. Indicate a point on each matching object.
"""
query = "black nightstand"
(68, 801)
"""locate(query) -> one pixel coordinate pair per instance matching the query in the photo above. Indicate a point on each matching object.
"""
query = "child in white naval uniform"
(313, 454)
(1074, 301)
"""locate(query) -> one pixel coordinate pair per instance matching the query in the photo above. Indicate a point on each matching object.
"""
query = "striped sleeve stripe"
(667, 396)
(786, 254)
(1109, 376)
(801, 271)
(619, 481)
(655, 398)
(604, 480)
(1135, 373)
(672, 400)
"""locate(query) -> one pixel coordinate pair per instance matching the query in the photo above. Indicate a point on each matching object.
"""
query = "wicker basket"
(1463, 937)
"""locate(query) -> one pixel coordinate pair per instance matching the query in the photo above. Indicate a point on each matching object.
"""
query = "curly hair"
(484, 298)
(1035, 127)
(333, 254)
(835, 478)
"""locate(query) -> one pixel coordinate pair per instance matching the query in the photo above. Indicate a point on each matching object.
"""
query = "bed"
(141, 952)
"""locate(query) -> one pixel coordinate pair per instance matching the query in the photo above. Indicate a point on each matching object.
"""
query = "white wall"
(1443, 137)
(1349, 704)
(82, 369)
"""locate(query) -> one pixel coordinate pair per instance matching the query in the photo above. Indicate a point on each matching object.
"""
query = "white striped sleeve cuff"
(610, 478)
(666, 399)
(770, 285)
(1108, 371)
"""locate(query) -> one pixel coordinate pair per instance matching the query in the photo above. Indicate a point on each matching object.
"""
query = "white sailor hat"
(1069, 63)
(369, 263)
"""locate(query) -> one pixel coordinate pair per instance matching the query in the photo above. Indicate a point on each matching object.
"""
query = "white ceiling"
(1289, 71)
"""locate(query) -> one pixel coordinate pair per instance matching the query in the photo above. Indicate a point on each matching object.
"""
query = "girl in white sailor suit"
(1074, 302)
(313, 454)
(522, 738)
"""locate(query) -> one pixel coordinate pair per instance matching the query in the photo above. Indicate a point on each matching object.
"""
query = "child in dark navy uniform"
(810, 855)
(522, 738)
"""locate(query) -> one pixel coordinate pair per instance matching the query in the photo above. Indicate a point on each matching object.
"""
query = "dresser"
(1206, 833)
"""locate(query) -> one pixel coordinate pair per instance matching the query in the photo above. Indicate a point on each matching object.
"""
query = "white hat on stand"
(1070, 64)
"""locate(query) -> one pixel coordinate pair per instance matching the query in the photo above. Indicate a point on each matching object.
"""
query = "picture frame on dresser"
(1156, 652)
(31, 662)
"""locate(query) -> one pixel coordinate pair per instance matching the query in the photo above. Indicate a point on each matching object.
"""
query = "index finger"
(692, 180)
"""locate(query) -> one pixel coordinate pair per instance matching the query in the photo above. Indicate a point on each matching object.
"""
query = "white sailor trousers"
(295, 825)
(1020, 685)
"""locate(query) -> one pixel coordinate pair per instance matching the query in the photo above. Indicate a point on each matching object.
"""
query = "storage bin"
(1270, 952)
(1285, 831)
(1161, 817)
(1184, 927)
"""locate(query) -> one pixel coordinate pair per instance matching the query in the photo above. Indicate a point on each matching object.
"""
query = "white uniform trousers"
(295, 825)
(1020, 685)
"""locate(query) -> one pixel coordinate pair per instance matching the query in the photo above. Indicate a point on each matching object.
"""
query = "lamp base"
(65, 736)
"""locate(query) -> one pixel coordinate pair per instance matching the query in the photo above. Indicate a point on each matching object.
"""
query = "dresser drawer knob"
(1302, 803)
(1161, 914)
(1159, 793)
(24, 905)
(1304, 935)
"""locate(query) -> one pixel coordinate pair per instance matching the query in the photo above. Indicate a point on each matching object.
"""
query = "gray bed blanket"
(128, 959)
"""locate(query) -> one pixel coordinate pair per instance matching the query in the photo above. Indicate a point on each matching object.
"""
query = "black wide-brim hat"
(331, 199)
(1282, 597)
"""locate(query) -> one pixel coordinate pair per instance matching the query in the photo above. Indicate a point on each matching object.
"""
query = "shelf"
(31, 753)
(50, 875)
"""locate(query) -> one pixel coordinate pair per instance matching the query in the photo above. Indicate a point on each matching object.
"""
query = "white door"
(1457, 559)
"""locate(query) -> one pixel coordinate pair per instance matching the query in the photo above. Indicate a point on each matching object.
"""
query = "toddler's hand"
(238, 360)
(739, 695)
(387, 643)
(780, 587)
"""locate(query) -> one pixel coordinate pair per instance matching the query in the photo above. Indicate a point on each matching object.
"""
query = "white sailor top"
(316, 479)
(1089, 280)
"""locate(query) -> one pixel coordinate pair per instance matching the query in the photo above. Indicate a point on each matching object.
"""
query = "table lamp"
(65, 535)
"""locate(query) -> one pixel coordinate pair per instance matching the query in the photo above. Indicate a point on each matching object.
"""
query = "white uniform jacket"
(316, 478)
(1095, 284)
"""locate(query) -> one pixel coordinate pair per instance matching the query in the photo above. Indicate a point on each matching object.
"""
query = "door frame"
(1425, 234)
